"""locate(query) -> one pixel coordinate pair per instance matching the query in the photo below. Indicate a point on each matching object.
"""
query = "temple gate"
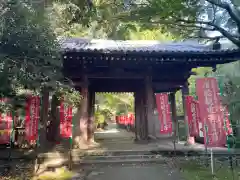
(142, 67)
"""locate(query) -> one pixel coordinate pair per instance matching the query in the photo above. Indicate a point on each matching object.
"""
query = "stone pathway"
(114, 139)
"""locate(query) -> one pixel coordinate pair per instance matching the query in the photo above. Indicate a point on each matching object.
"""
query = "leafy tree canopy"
(29, 51)
(207, 19)
(198, 18)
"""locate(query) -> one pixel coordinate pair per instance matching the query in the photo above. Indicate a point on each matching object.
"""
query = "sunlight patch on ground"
(59, 174)
(108, 131)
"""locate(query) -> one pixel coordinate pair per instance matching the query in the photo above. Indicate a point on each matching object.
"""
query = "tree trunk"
(54, 120)
(81, 127)
(44, 118)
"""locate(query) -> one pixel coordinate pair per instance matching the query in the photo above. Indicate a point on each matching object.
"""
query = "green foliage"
(100, 22)
(29, 54)
(70, 95)
(179, 104)
(136, 32)
(112, 104)
(114, 18)
(99, 117)
(161, 14)
(229, 80)
(200, 72)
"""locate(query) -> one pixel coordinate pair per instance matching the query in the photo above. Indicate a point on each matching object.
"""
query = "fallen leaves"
(25, 171)
(21, 170)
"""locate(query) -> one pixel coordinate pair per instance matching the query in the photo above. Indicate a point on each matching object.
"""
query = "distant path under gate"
(117, 139)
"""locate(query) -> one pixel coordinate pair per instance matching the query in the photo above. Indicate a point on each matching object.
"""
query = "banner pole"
(206, 144)
(38, 103)
(11, 137)
(70, 143)
(212, 162)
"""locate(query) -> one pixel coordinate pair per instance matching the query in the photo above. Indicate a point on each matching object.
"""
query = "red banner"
(5, 127)
(65, 120)
(193, 116)
(210, 110)
(32, 118)
(164, 113)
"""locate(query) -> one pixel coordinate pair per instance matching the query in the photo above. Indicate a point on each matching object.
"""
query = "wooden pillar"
(140, 116)
(185, 92)
(149, 106)
(143, 116)
(174, 116)
(137, 107)
(91, 108)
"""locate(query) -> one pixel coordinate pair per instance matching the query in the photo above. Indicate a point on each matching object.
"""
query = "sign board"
(32, 118)
(210, 112)
(164, 113)
(193, 116)
(65, 120)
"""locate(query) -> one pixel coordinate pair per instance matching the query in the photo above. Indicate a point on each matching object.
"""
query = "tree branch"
(225, 33)
(3, 11)
(180, 25)
(228, 8)
(198, 24)
(207, 37)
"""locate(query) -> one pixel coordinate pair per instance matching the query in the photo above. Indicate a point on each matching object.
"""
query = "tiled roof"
(81, 44)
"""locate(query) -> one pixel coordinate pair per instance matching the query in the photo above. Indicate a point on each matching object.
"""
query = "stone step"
(112, 152)
(103, 160)
(122, 157)
(98, 153)
(120, 161)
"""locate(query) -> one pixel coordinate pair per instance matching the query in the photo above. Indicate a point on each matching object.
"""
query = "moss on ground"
(194, 171)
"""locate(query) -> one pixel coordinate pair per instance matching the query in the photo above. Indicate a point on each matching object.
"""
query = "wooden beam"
(155, 83)
(122, 73)
(109, 75)
(161, 78)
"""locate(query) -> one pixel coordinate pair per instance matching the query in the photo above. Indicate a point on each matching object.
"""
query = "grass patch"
(194, 171)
